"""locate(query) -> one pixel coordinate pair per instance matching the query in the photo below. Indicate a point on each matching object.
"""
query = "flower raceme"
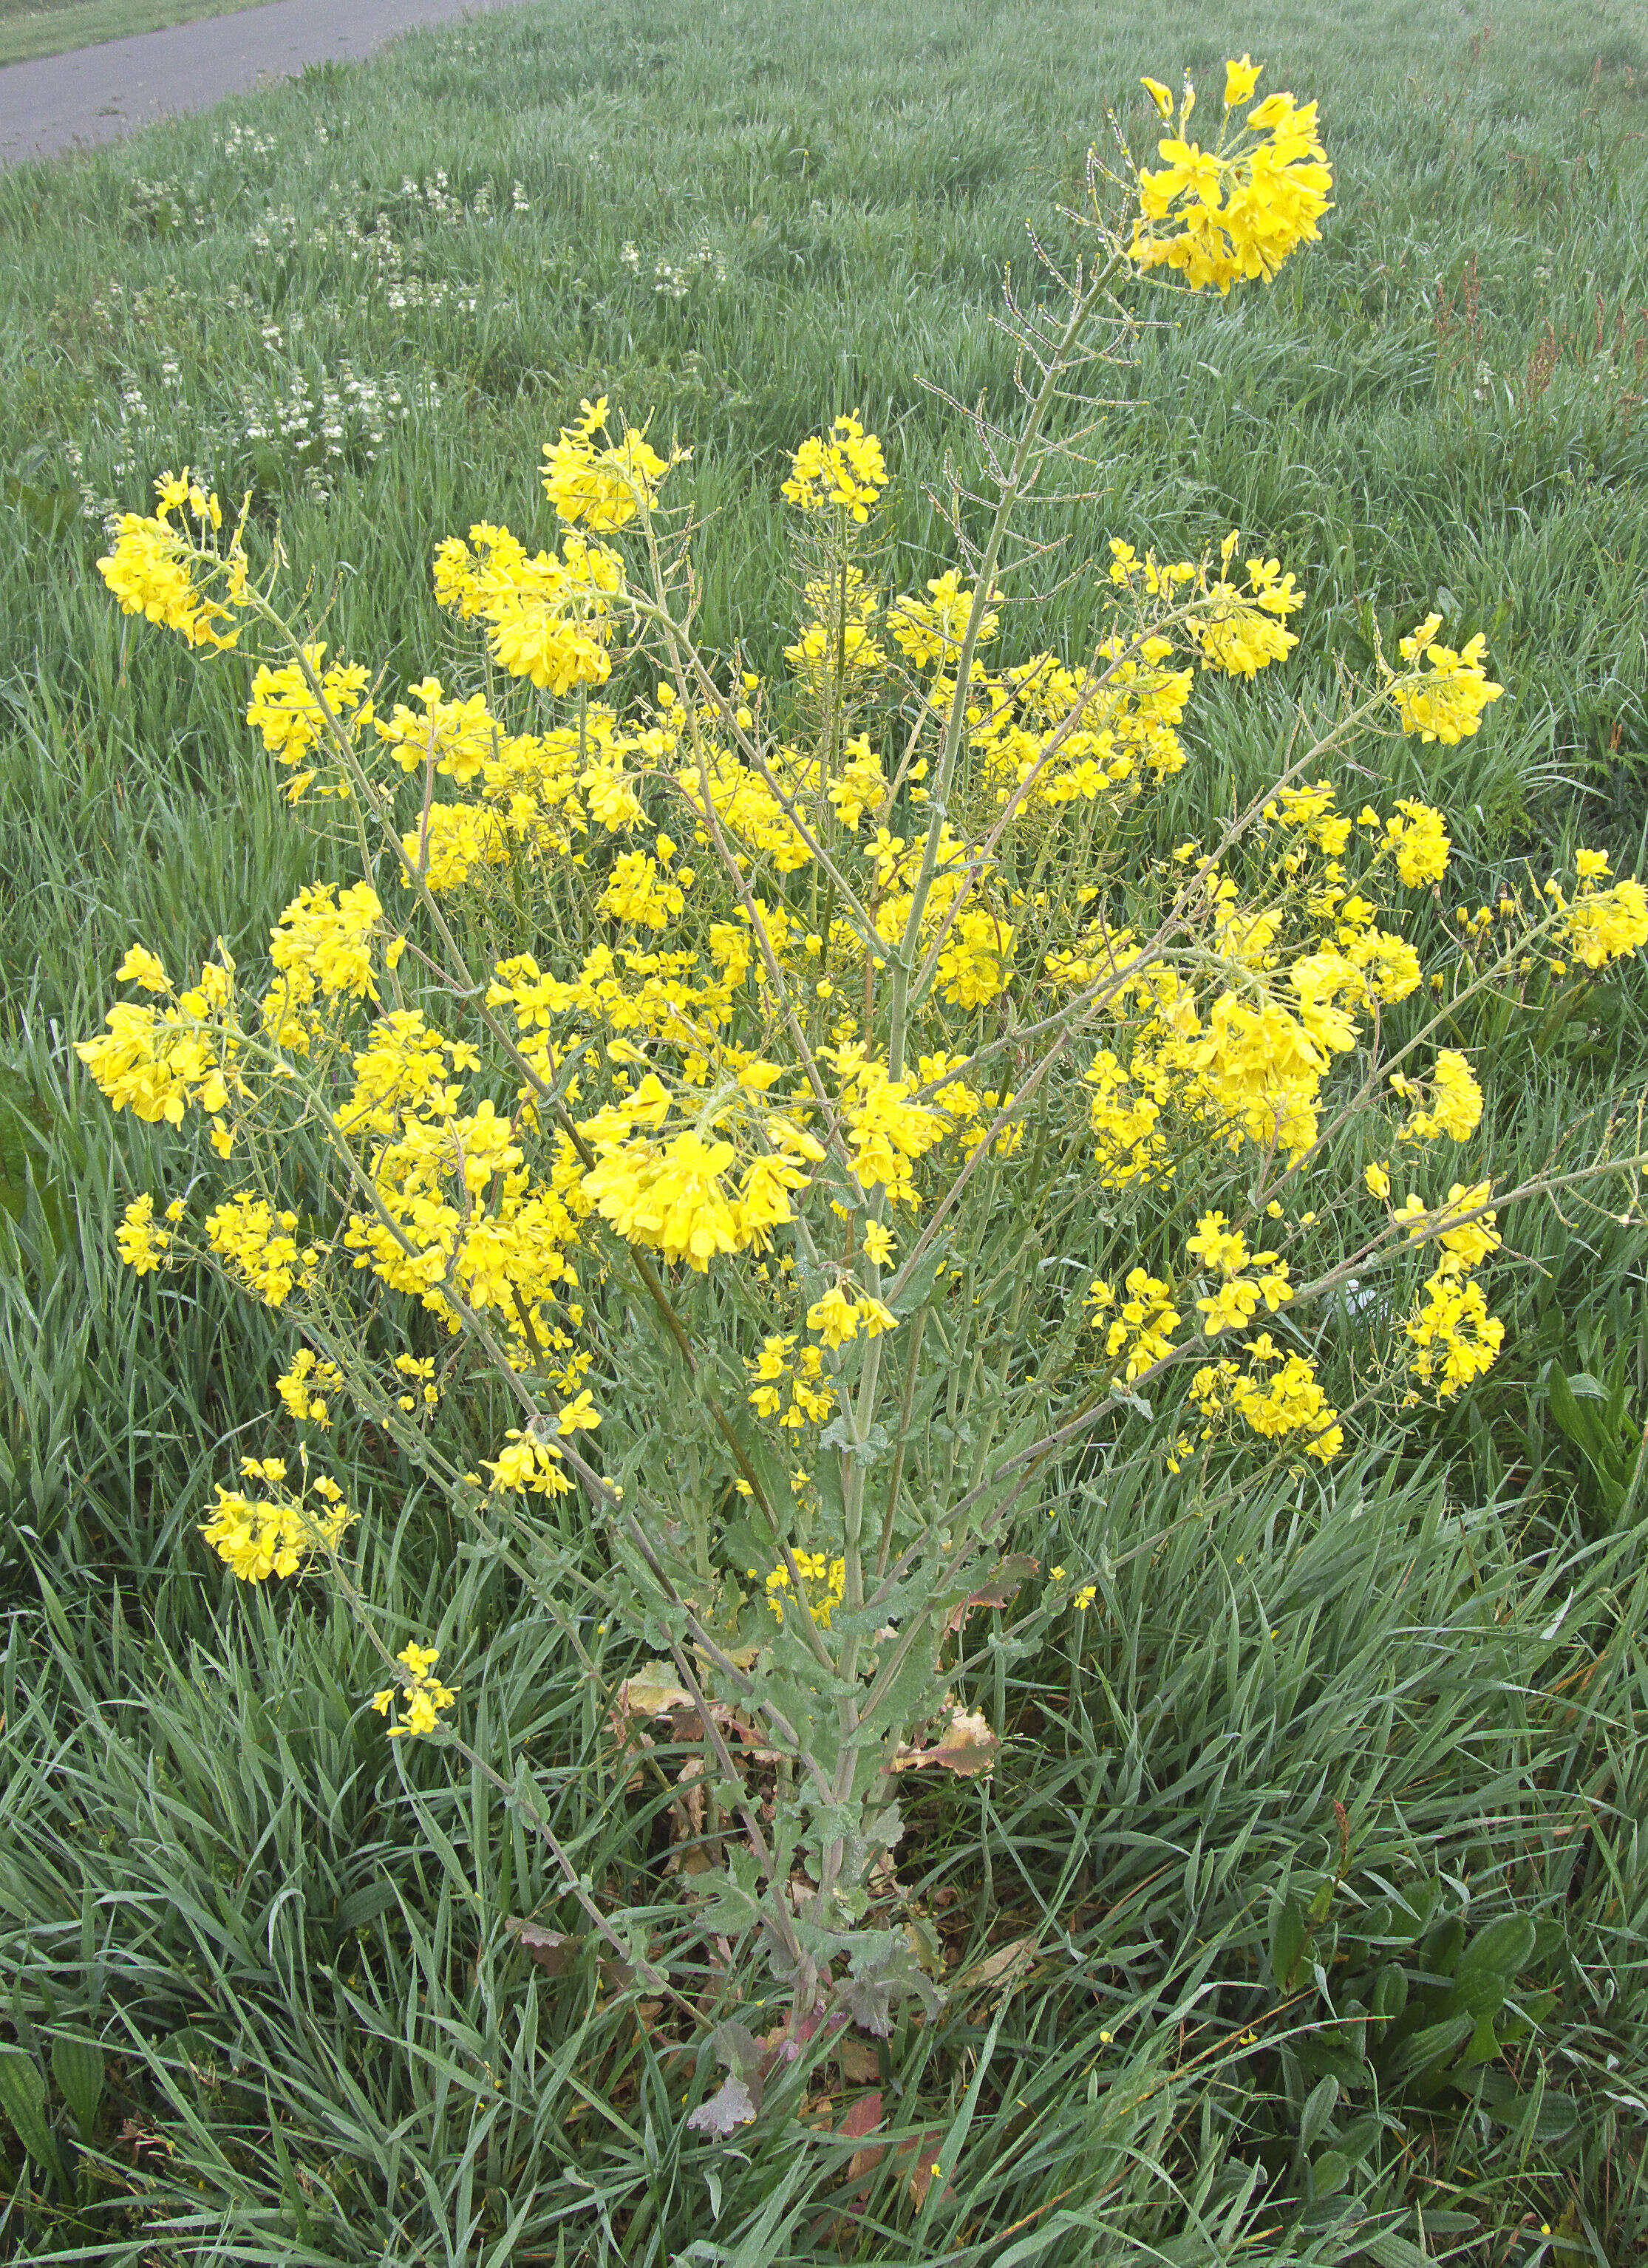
(549, 620)
(279, 1530)
(604, 487)
(421, 1694)
(1446, 705)
(1216, 216)
(842, 469)
(162, 570)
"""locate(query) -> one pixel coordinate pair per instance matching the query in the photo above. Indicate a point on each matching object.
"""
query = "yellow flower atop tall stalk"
(1237, 210)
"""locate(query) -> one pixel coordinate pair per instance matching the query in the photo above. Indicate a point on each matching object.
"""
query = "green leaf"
(1390, 1991)
(886, 1971)
(1390, 2250)
(1320, 2104)
(77, 2067)
(1329, 2173)
(1424, 2052)
(1287, 1943)
(1484, 2045)
(23, 2100)
(733, 1904)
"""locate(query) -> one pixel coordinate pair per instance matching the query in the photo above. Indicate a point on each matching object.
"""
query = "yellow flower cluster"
(842, 468)
(530, 1464)
(259, 1247)
(1062, 736)
(606, 487)
(1273, 1402)
(889, 1129)
(776, 1366)
(142, 1242)
(1249, 1064)
(549, 620)
(1140, 1334)
(1244, 628)
(295, 719)
(1238, 210)
(1455, 1102)
(304, 1386)
(1447, 702)
(276, 1534)
(675, 1195)
(1419, 837)
(1465, 1243)
(456, 737)
(459, 1218)
(424, 1693)
(1287, 1400)
(1604, 926)
(1454, 1338)
(1249, 1277)
(826, 1579)
(840, 1316)
(930, 630)
(424, 1392)
(324, 944)
(157, 567)
(158, 1063)
(537, 789)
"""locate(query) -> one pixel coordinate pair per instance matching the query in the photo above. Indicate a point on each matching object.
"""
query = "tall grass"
(259, 1967)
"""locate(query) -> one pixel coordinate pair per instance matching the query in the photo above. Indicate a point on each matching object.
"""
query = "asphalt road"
(101, 93)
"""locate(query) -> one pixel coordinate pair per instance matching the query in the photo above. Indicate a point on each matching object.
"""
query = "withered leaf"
(729, 2107)
(864, 2117)
(654, 1690)
(552, 1951)
(1007, 1965)
(999, 1590)
(967, 1746)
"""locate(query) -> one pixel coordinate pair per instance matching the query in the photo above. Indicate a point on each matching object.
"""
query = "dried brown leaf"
(966, 1746)
(864, 2117)
(552, 1952)
(1000, 1590)
(1007, 1965)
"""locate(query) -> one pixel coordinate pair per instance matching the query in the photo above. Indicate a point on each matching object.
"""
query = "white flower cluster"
(325, 424)
(165, 207)
(434, 196)
(245, 142)
(394, 262)
(673, 282)
(319, 425)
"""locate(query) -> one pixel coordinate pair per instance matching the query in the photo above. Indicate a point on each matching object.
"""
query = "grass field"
(30, 28)
(261, 2003)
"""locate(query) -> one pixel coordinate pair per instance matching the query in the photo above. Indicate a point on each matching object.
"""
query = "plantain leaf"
(77, 2067)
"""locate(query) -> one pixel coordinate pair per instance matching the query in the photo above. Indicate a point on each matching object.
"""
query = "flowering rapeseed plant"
(728, 1067)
